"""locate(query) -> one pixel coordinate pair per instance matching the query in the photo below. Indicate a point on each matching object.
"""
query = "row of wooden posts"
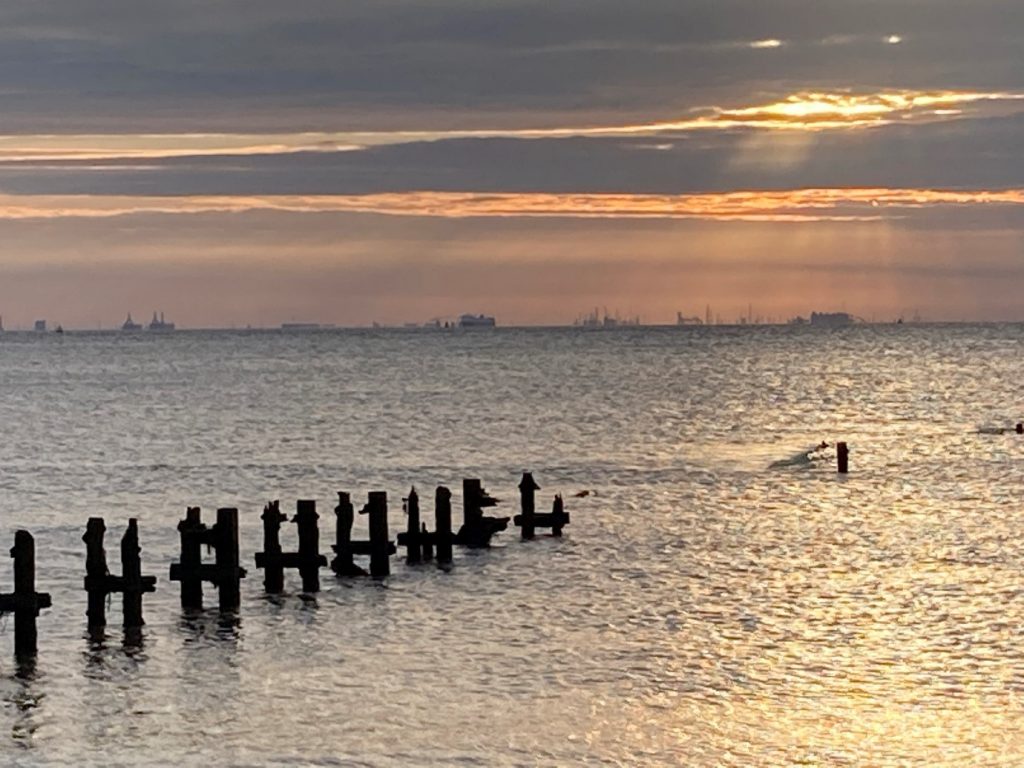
(226, 572)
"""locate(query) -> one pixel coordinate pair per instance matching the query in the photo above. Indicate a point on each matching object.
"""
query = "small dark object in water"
(581, 494)
(24, 602)
(1020, 428)
(843, 457)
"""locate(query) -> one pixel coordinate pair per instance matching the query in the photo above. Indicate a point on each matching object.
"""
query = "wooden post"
(95, 572)
(24, 602)
(133, 584)
(189, 570)
(559, 517)
(414, 543)
(342, 564)
(380, 539)
(527, 488)
(443, 525)
(428, 544)
(229, 573)
(309, 557)
(477, 529)
(843, 457)
(273, 567)
(472, 490)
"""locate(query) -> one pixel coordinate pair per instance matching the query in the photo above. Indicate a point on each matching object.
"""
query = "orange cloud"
(794, 206)
(803, 111)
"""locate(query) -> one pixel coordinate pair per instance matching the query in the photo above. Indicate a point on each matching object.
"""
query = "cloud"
(796, 206)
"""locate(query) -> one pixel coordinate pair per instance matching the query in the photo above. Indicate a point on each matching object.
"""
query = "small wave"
(804, 458)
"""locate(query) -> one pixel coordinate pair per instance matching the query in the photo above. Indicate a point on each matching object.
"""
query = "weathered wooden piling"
(413, 535)
(530, 520)
(24, 602)
(189, 570)
(96, 572)
(477, 529)
(843, 458)
(228, 572)
(443, 537)
(132, 583)
(309, 559)
(417, 540)
(381, 547)
(342, 564)
(527, 488)
(225, 573)
(271, 556)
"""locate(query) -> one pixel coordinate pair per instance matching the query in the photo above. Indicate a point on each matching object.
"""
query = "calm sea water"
(705, 607)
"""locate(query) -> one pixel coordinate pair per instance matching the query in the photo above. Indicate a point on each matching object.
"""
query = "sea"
(721, 597)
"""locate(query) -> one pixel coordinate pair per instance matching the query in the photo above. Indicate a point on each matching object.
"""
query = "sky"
(255, 162)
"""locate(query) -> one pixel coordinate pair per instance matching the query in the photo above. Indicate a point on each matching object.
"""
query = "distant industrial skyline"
(259, 163)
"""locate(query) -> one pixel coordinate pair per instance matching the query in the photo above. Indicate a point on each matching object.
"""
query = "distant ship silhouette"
(131, 325)
(160, 325)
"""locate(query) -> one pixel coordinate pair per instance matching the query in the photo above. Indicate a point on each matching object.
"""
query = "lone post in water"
(24, 602)
(843, 457)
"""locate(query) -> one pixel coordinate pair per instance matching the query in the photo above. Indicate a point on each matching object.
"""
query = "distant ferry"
(831, 319)
(300, 326)
(476, 321)
(131, 325)
(160, 325)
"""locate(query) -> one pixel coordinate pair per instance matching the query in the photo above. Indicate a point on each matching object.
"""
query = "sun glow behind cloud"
(797, 206)
(807, 111)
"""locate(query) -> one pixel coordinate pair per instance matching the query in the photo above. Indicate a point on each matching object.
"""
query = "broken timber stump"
(270, 558)
(415, 539)
(133, 583)
(226, 573)
(529, 520)
(843, 458)
(443, 537)
(477, 529)
(380, 547)
(99, 582)
(24, 602)
(342, 564)
(307, 560)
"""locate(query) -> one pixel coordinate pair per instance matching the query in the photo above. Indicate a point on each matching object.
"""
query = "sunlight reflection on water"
(703, 608)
